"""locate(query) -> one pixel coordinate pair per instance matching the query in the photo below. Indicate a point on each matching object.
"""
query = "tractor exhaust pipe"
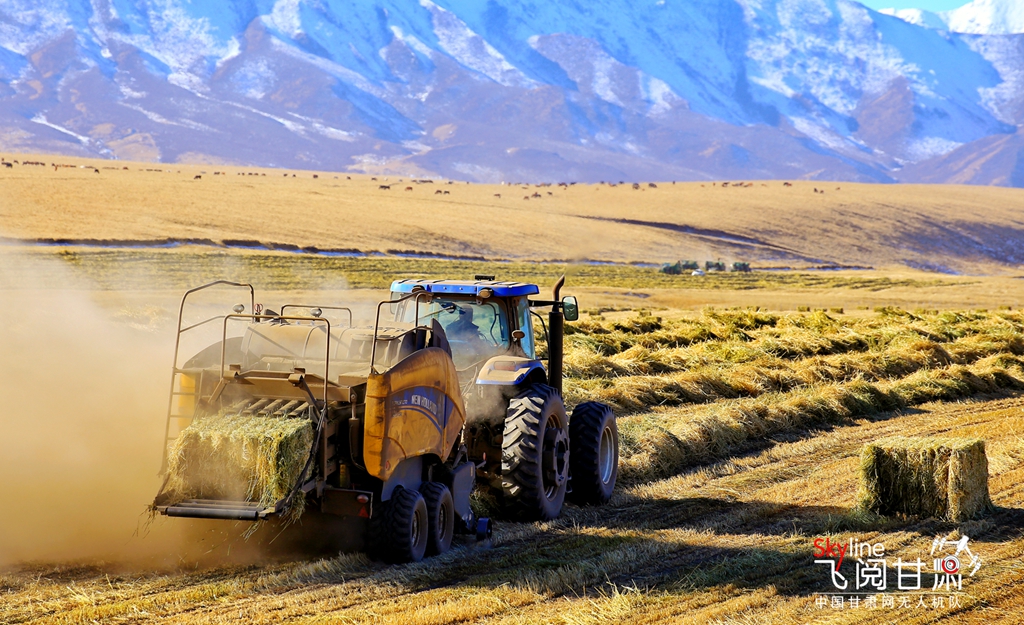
(556, 322)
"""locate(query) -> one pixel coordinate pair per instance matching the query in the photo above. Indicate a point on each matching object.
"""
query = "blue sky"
(928, 5)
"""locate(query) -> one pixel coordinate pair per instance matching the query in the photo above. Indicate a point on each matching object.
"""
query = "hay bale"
(930, 477)
(239, 458)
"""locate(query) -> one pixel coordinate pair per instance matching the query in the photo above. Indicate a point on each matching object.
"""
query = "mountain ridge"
(492, 90)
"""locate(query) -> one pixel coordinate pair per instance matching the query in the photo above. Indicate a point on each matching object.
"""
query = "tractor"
(444, 393)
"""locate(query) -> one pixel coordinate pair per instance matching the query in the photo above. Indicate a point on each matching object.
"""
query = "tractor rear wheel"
(535, 455)
(440, 517)
(593, 453)
(401, 532)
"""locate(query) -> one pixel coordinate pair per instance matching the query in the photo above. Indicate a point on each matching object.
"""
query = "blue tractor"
(530, 454)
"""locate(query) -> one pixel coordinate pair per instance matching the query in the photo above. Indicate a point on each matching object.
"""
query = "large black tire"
(440, 517)
(534, 455)
(593, 453)
(401, 528)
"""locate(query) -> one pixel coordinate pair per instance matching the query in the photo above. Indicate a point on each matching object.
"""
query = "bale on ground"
(239, 458)
(944, 478)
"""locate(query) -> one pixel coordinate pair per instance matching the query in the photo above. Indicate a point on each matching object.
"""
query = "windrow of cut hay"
(722, 380)
(644, 361)
(239, 458)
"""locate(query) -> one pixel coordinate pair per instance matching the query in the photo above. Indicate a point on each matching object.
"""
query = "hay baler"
(406, 415)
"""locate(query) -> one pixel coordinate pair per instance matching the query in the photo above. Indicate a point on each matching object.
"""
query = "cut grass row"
(722, 381)
(711, 357)
(659, 445)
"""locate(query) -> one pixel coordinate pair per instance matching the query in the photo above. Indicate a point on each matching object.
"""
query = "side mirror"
(570, 309)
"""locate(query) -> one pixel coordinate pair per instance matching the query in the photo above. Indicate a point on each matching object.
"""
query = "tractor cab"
(481, 319)
(488, 324)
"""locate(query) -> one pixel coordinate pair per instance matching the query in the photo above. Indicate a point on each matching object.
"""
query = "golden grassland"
(741, 439)
(744, 400)
(767, 223)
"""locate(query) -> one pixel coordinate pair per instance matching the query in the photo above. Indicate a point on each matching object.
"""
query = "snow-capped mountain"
(501, 90)
(980, 17)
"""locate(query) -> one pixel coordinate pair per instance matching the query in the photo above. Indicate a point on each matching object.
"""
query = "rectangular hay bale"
(239, 458)
(944, 478)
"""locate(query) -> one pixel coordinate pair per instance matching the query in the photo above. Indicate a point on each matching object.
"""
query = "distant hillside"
(500, 90)
(946, 229)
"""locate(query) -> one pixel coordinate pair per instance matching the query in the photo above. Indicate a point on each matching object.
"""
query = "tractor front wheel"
(535, 455)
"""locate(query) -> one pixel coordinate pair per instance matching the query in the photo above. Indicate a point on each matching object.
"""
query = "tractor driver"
(469, 343)
(463, 329)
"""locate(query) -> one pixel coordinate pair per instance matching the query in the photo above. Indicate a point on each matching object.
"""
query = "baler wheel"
(402, 528)
(440, 517)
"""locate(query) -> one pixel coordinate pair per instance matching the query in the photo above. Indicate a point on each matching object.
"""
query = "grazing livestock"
(636, 186)
(497, 195)
(535, 195)
(652, 185)
(438, 192)
(385, 187)
(550, 193)
(447, 192)
(408, 188)
(787, 184)
(526, 197)
(9, 165)
(315, 176)
(198, 177)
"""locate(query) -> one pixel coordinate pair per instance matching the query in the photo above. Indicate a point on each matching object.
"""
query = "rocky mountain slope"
(501, 90)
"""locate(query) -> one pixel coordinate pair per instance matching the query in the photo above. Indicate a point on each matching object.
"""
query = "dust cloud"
(82, 400)
(84, 382)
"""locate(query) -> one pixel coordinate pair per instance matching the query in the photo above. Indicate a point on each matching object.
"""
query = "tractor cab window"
(475, 330)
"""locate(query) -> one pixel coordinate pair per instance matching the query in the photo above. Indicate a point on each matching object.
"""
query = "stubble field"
(743, 403)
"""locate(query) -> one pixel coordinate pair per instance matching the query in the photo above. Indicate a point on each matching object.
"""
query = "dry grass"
(730, 541)
(741, 429)
(720, 381)
(766, 223)
(238, 457)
